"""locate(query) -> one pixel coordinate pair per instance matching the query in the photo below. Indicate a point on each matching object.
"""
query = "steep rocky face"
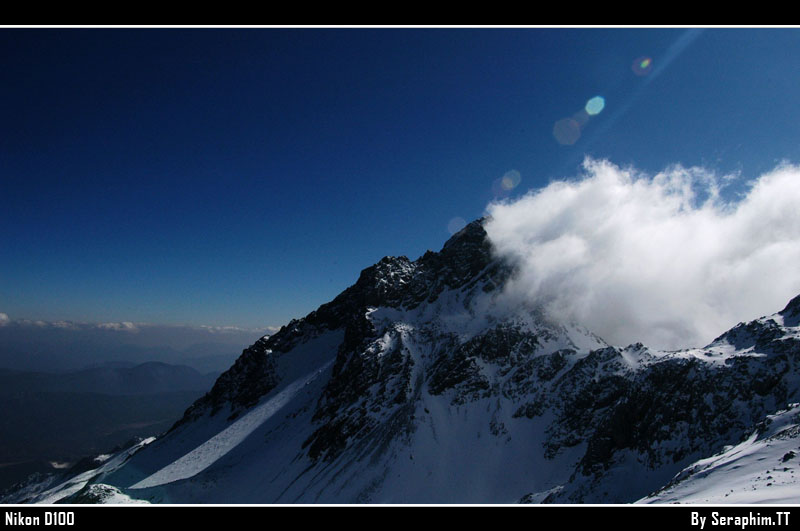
(791, 314)
(376, 378)
(394, 282)
(251, 376)
(674, 406)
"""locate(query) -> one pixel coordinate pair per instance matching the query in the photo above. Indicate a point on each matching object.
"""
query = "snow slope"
(79, 484)
(220, 444)
(761, 469)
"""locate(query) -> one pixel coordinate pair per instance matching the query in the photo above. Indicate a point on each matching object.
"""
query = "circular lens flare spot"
(642, 65)
(581, 117)
(455, 225)
(595, 105)
(567, 131)
(510, 180)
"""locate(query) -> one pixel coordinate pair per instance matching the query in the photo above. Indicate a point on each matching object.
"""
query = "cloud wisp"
(54, 346)
(660, 259)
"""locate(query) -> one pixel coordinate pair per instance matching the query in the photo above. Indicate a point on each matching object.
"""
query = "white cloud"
(125, 326)
(67, 325)
(660, 259)
(233, 329)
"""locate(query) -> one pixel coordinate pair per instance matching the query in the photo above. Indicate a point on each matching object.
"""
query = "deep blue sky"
(245, 176)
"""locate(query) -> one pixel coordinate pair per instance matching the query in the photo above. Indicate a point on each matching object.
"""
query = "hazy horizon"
(68, 346)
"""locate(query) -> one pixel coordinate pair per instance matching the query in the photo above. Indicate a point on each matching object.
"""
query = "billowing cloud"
(659, 259)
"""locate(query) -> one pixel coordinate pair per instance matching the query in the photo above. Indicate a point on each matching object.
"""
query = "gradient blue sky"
(246, 176)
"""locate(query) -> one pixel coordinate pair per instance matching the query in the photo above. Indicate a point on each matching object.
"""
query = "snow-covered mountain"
(422, 383)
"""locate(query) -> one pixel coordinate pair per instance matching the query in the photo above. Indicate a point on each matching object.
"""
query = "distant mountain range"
(147, 378)
(421, 383)
(53, 419)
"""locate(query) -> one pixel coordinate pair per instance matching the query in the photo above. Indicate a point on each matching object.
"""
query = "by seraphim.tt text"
(715, 518)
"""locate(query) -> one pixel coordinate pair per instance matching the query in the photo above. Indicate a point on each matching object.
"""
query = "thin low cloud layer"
(125, 326)
(658, 259)
(54, 346)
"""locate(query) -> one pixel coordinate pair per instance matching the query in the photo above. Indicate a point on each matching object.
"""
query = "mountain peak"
(393, 282)
(472, 233)
(791, 313)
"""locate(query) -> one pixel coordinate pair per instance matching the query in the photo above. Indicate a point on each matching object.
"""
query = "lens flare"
(498, 190)
(581, 118)
(642, 65)
(567, 131)
(455, 225)
(595, 105)
(510, 180)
